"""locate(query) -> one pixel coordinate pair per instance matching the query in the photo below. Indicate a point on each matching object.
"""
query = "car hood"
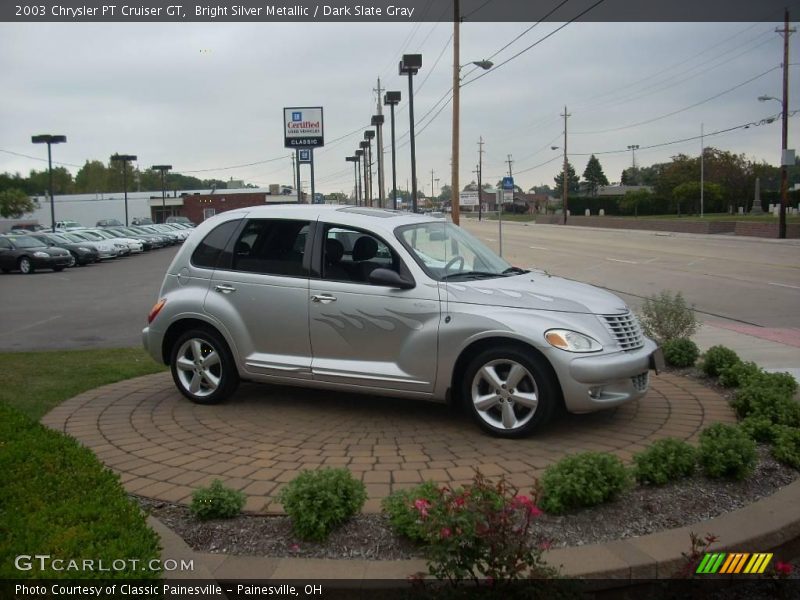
(535, 290)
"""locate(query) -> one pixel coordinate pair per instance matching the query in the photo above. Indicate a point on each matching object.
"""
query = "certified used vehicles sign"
(303, 127)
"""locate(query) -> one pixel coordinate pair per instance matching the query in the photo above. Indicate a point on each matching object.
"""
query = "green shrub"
(786, 447)
(783, 382)
(680, 352)
(56, 498)
(770, 402)
(726, 451)
(318, 501)
(665, 460)
(759, 428)
(403, 515)
(717, 358)
(582, 480)
(667, 317)
(739, 374)
(216, 502)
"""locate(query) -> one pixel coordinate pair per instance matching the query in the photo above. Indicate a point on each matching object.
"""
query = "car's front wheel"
(508, 392)
(203, 367)
(25, 265)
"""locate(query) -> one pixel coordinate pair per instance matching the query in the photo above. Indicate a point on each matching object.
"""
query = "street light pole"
(359, 153)
(377, 121)
(124, 159)
(368, 136)
(410, 65)
(392, 99)
(49, 139)
(565, 178)
(354, 160)
(163, 169)
(364, 145)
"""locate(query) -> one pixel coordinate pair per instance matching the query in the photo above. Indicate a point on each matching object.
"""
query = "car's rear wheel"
(508, 392)
(73, 259)
(203, 367)
(25, 265)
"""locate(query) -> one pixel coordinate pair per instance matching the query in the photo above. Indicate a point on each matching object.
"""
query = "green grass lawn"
(35, 382)
(722, 217)
(506, 217)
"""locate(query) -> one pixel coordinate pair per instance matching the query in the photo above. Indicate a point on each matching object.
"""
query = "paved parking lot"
(163, 446)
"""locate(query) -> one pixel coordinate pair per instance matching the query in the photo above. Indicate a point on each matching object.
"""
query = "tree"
(39, 181)
(91, 178)
(594, 176)
(574, 184)
(688, 195)
(633, 201)
(445, 194)
(14, 203)
(337, 198)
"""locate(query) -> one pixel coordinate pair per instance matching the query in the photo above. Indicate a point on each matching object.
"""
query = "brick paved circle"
(164, 447)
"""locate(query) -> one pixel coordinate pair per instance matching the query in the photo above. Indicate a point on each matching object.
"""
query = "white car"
(134, 246)
(105, 249)
(62, 226)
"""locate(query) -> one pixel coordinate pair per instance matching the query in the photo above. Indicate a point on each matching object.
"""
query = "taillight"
(155, 310)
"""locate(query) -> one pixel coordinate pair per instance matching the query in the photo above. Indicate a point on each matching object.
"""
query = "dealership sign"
(302, 127)
(468, 199)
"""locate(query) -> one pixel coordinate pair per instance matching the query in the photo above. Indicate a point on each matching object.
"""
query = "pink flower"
(422, 506)
(526, 503)
(294, 547)
(459, 501)
(546, 544)
(445, 533)
(782, 568)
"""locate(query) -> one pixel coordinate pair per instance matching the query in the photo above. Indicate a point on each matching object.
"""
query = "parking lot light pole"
(124, 159)
(364, 145)
(359, 153)
(377, 121)
(163, 169)
(354, 160)
(410, 65)
(392, 99)
(49, 139)
(369, 135)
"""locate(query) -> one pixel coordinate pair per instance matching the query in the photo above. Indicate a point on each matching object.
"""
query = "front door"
(364, 334)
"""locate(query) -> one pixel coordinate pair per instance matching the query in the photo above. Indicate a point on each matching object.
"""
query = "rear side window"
(272, 247)
(208, 251)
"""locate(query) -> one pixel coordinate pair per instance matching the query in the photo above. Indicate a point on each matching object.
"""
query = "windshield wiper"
(515, 271)
(471, 274)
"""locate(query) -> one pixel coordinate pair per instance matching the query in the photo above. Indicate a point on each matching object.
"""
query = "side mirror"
(389, 278)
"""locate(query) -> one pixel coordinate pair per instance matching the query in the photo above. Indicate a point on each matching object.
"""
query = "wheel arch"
(181, 326)
(478, 346)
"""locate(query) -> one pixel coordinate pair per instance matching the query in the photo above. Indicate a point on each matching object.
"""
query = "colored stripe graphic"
(734, 563)
(759, 563)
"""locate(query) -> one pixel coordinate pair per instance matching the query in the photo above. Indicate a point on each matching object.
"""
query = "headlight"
(571, 341)
(41, 254)
(82, 249)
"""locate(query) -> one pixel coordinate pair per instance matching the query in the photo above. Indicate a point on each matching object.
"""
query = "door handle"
(324, 298)
(224, 289)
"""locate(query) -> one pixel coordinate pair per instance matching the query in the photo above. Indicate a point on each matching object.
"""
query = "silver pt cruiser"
(376, 301)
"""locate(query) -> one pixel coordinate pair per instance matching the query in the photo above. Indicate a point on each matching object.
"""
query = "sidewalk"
(770, 348)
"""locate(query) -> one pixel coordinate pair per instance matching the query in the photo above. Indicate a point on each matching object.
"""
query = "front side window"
(445, 251)
(26, 241)
(272, 247)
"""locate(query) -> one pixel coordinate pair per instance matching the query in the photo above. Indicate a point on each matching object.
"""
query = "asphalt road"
(750, 280)
(743, 279)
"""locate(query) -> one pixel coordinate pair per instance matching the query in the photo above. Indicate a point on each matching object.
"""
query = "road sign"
(468, 199)
(508, 183)
(302, 127)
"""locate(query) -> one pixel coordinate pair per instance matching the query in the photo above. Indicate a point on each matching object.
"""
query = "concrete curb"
(762, 526)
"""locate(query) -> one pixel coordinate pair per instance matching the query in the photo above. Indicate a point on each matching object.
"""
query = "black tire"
(73, 260)
(510, 412)
(194, 373)
(25, 265)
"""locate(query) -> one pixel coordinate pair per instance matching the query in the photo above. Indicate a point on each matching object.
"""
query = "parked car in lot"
(172, 231)
(367, 300)
(176, 219)
(142, 221)
(25, 253)
(109, 223)
(131, 245)
(105, 249)
(68, 225)
(165, 240)
(171, 239)
(148, 242)
(82, 254)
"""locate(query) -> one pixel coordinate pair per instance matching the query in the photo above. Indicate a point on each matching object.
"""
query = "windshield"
(26, 241)
(54, 237)
(446, 251)
(74, 237)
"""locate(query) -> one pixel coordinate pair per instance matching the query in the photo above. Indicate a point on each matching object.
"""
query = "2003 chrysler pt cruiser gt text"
(369, 300)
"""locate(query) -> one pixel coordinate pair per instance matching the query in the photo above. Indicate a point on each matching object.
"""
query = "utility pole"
(509, 161)
(785, 32)
(480, 188)
(565, 177)
(432, 172)
(702, 173)
(454, 186)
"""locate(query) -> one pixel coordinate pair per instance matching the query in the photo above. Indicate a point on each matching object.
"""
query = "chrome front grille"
(626, 330)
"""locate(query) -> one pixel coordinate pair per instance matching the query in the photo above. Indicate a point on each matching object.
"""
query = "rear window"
(208, 252)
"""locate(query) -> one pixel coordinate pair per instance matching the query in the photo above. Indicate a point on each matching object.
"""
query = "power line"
(675, 112)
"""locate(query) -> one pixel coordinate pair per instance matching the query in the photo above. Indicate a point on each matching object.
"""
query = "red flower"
(526, 503)
(782, 568)
(445, 533)
(422, 506)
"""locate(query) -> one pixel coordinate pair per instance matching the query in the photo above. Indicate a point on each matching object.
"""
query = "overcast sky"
(207, 96)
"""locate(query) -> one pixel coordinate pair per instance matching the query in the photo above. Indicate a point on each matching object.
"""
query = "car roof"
(370, 218)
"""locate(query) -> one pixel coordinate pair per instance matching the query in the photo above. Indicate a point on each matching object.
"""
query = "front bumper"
(594, 382)
(51, 262)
